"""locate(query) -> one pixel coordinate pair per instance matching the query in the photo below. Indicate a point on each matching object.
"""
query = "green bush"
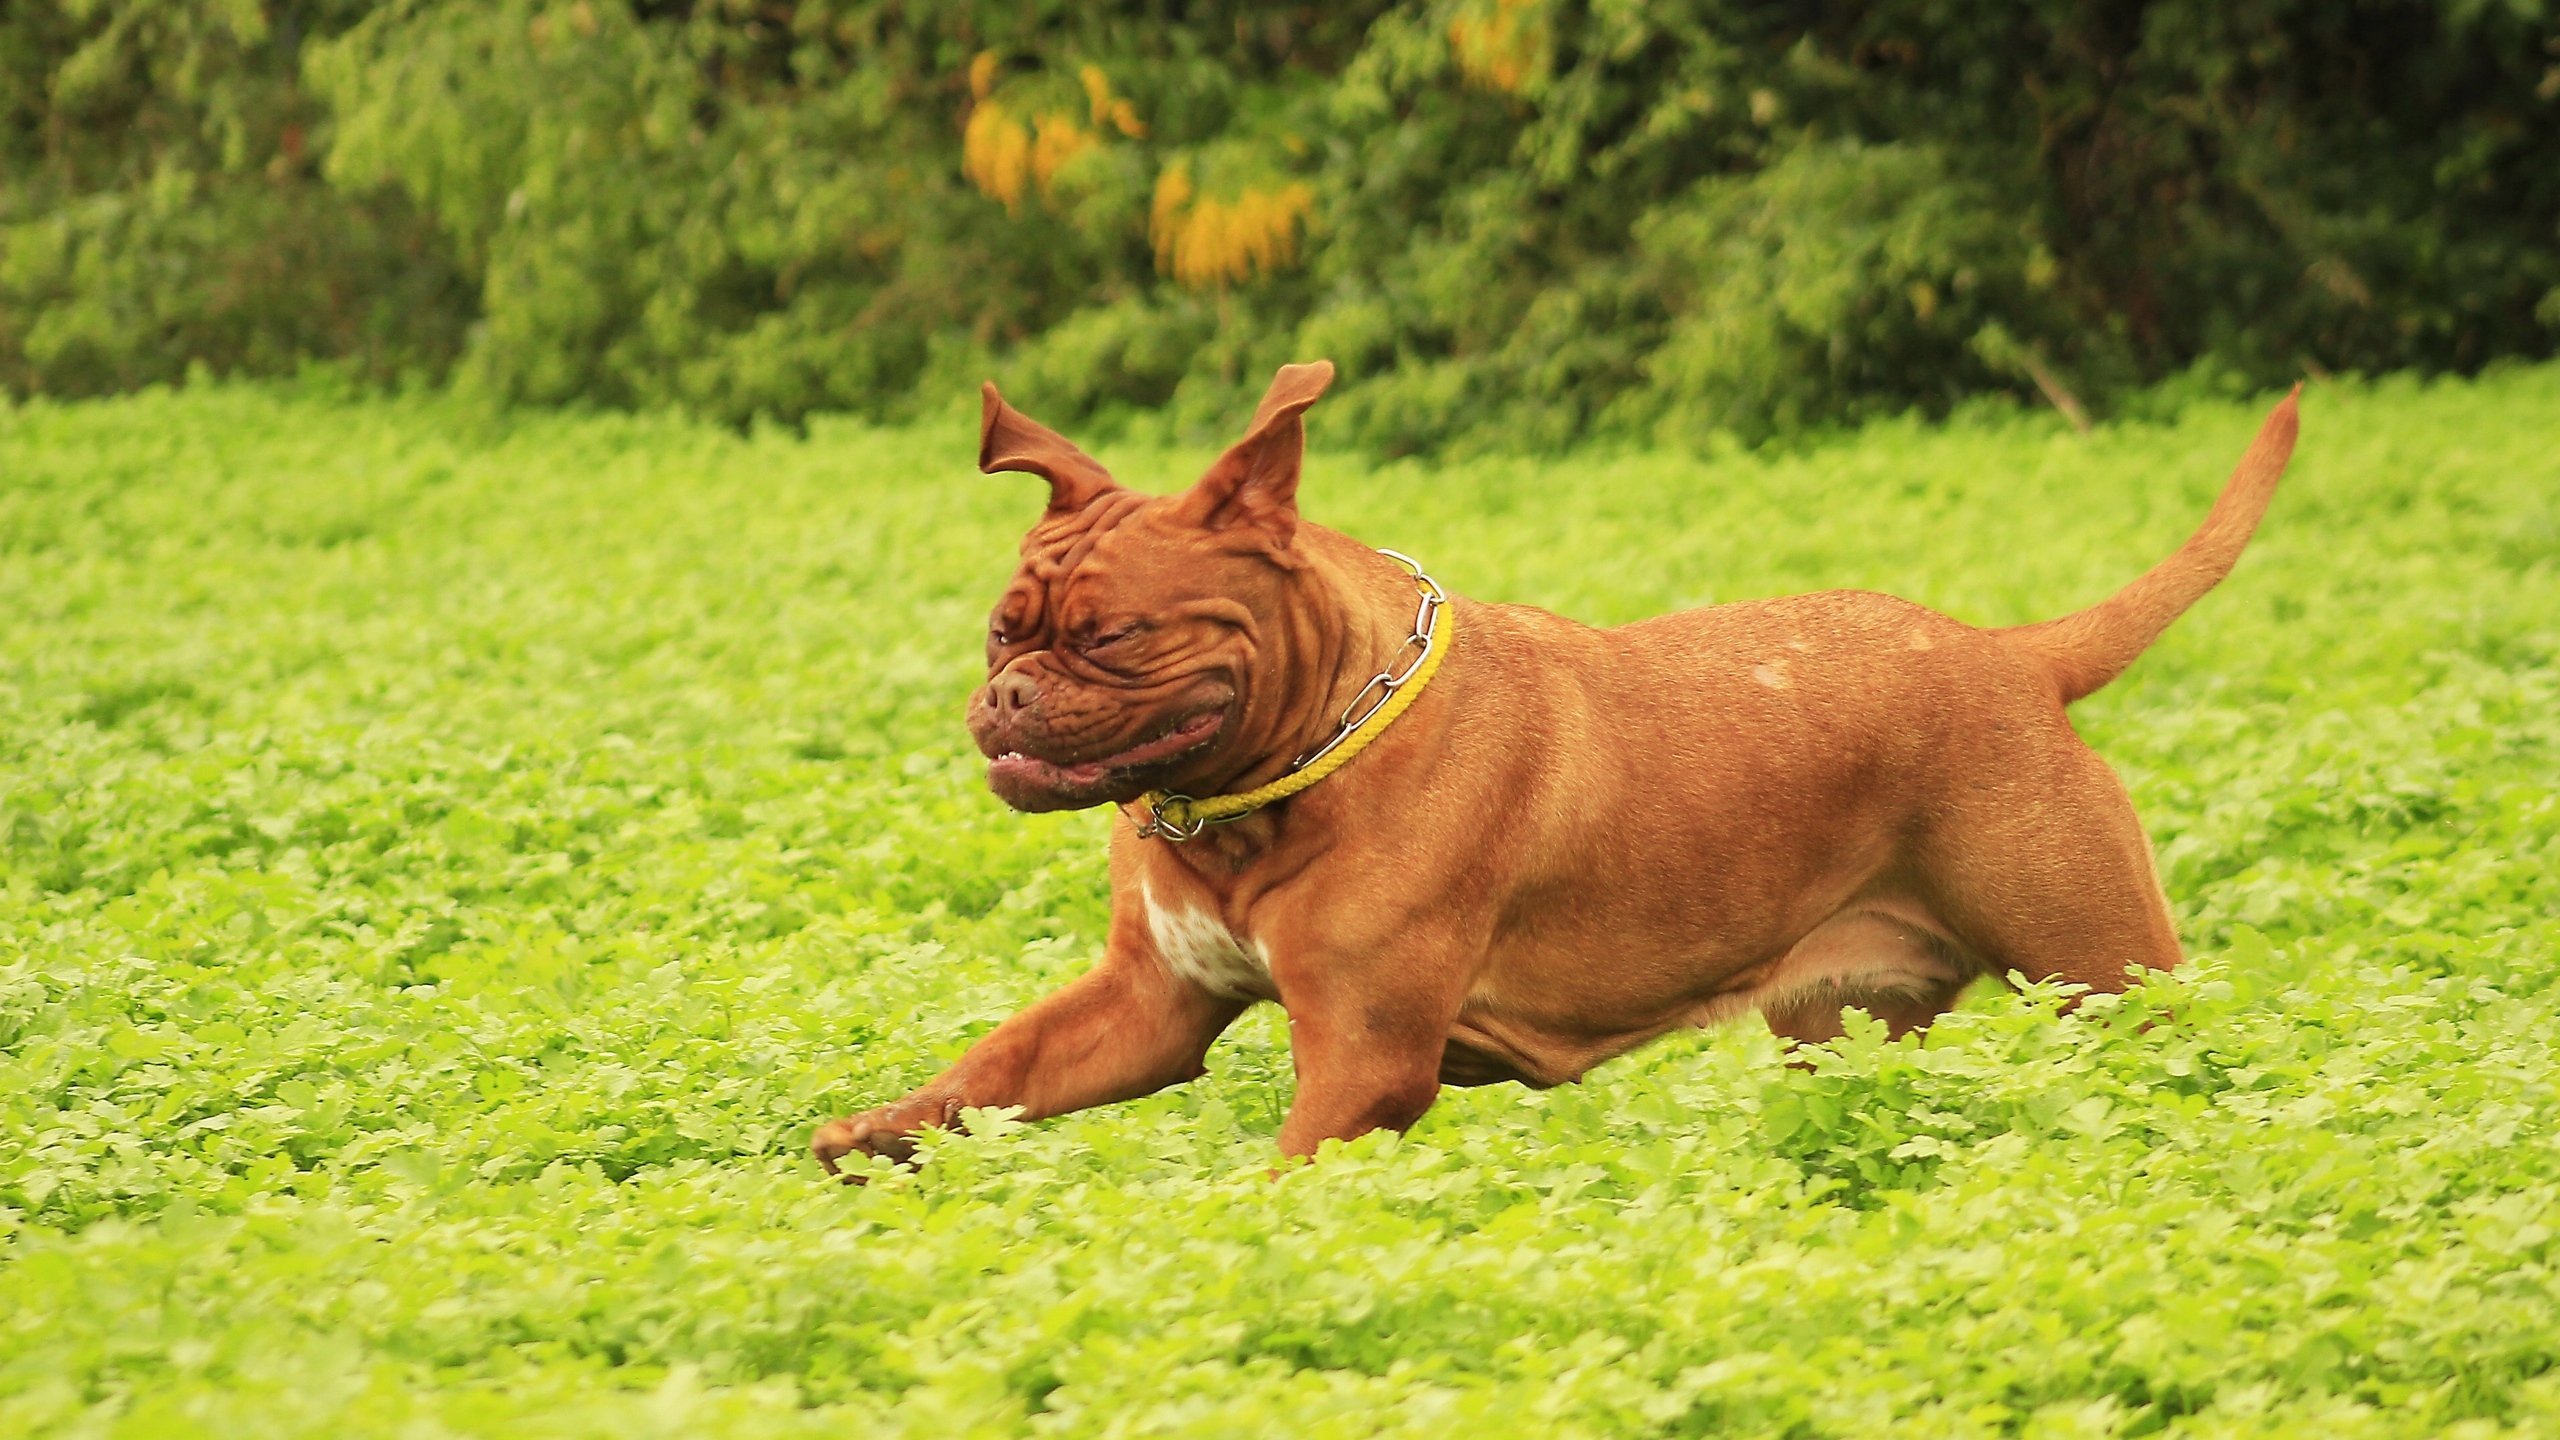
(161, 207)
(1511, 222)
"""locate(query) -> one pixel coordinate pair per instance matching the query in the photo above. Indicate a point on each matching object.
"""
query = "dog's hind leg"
(1881, 957)
(1816, 1020)
(2045, 871)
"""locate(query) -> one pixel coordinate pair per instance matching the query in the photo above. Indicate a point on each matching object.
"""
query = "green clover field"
(449, 859)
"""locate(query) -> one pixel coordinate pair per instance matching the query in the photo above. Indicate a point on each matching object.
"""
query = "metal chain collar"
(1178, 818)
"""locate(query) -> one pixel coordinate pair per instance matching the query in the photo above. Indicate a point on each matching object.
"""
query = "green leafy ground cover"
(450, 863)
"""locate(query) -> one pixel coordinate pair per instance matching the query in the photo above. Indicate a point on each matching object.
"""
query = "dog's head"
(1128, 650)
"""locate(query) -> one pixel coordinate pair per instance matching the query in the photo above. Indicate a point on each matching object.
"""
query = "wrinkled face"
(1121, 658)
(1118, 660)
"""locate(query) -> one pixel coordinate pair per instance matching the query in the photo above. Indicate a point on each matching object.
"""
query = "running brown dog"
(1573, 841)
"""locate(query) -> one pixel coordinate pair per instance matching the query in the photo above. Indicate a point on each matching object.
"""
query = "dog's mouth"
(1027, 782)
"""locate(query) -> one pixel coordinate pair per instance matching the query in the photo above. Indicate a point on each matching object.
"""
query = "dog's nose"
(1013, 691)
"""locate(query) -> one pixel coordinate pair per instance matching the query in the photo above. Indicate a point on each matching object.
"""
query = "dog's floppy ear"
(1011, 440)
(1256, 481)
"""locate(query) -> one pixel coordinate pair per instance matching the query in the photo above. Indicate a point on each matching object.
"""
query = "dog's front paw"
(869, 1133)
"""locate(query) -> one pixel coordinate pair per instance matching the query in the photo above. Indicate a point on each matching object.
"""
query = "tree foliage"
(1524, 220)
(161, 204)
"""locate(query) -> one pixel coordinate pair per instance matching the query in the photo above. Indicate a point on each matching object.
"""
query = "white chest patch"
(1199, 948)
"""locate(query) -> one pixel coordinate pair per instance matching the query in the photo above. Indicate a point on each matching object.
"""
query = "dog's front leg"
(1367, 1057)
(1123, 1029)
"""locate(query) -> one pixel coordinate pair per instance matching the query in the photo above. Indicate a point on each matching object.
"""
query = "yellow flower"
(1206, 243)
(995, 153)
(1108, 109)
(1000, 154)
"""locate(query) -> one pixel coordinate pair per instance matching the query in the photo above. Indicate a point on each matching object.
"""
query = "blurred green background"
(1514, 223)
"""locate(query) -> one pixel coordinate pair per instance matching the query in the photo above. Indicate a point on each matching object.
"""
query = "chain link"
(1387, 682)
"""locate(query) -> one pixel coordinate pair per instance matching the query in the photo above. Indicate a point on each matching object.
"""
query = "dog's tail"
(2085, 650)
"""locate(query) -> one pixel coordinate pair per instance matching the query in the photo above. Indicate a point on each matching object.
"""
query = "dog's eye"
(1113, 637)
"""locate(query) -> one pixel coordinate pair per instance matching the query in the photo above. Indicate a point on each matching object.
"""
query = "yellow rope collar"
(1179, 817)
